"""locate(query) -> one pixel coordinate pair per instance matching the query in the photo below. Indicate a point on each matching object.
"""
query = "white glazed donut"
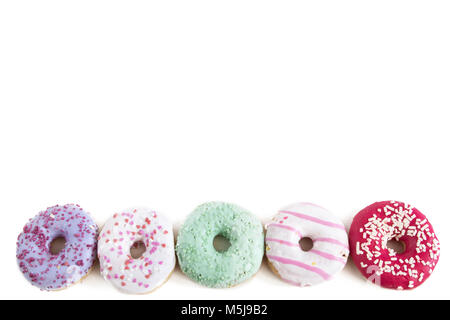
(120, 233)
(330, 248)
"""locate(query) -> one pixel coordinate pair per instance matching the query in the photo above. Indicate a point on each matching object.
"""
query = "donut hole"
(306, 244)
(221, 243)
(137, 249)
(398, 246)
(57, 245)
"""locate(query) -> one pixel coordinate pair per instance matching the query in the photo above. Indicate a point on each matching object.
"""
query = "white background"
(169, 104)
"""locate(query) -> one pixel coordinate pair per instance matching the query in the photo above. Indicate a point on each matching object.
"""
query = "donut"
(49, 271)
(329, 252)
(202, 263)
(371, 230)
(126, 230)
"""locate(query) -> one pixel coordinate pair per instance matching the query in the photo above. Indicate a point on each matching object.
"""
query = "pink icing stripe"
(327, 256)
(318, 252)
(291, 244)
(319, 271)
(314, 219)
(277, 225)
(334, 241)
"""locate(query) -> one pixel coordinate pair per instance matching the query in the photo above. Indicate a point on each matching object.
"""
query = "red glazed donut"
(374, 226)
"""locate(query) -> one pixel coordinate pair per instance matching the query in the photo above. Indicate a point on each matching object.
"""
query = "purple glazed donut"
(49, 271)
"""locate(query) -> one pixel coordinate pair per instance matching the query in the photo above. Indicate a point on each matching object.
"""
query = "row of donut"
(371, 232)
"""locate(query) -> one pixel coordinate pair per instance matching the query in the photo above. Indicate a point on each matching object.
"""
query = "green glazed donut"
(201, 262)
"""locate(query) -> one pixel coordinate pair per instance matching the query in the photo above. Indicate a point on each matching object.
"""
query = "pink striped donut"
(330, 248)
